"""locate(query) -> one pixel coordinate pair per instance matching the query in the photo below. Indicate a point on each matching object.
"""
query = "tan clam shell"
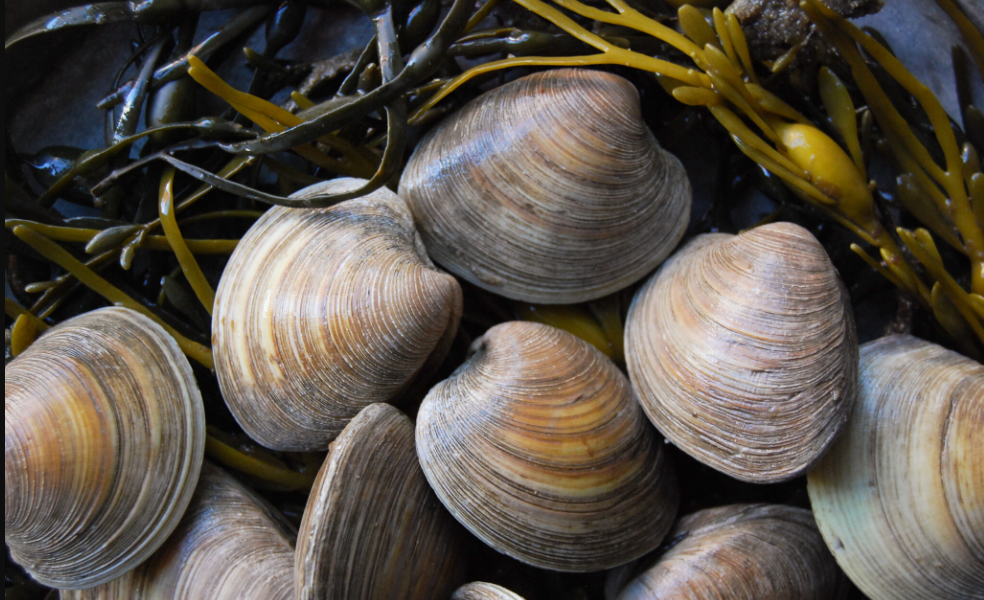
(745, 552)
(230, 545)
(900, 497)
(373, 529)
(549, 189)
(104, 436)
(538, 447)
(743, 352)
(484, 591)
(323, 312)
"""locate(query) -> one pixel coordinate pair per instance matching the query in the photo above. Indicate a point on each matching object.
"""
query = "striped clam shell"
(900, 497)
(484, 591)
(743, 352)
(322, 312)
(230, 545)
(104, 437)
(742, 552)
(373, 529)
(539, 448)
(549, 189)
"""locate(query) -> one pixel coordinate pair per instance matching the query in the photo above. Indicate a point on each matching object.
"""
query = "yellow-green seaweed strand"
(22, 334)
(250, 465)
(16, 311)
(193, 273)
(90, 279)
(970, 33)
(840, 107)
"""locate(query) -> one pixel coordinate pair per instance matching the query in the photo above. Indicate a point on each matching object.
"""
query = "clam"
(373, 529)
(104, 436)
(322, 312)
(230, 545)
(484, 591)
(539, 448)
(743, 352)
(549, 189)
(745, 552)
(900, 497)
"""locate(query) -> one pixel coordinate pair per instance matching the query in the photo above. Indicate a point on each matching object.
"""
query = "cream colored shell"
(743, 352)
(539, 448)
(323, 312)
(484, 591)
(747, 552)
(373, 529)
(900, 497)
(549, 189)
(230, 545)
(104, 435)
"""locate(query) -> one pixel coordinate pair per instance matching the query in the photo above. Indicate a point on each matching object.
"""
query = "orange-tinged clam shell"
(104, 436)
(538, 447)
(230, 545)
(744, 552)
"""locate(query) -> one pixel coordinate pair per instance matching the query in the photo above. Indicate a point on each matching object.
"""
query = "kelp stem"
(193, 273)
(90, 279)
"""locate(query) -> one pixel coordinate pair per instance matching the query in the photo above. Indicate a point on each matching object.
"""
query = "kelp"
(401, 79)
(945, 199)
(813, 165)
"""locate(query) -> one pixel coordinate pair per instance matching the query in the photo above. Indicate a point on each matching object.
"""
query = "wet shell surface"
(323, 312)
(104, 436)
(484, 591)
(743, 352)
(373, 529)
(549, 189)
(745, 552)
(539, 448)
(230, 545)
(900, 497)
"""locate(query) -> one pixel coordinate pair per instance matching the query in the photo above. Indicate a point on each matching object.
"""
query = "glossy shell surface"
(900, 497)
(539, 448)
(104, 436)
(746, 552)
(484, 591)
(230, 545)
(373, 529)
(322, 312)
(743, 352)
(549, 189)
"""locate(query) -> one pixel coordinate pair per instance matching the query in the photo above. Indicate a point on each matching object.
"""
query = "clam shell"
(373, 529)
(104, 436)
(230, 545)
(900, 497)
(538, 447)
(549, 189)
(743, 352)
(323, 312)
(748, 552)
(484, 591)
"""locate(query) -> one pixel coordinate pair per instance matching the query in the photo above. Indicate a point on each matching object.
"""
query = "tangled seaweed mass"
(823, 119)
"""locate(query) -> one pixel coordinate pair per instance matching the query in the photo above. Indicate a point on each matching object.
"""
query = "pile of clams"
(332, 328)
